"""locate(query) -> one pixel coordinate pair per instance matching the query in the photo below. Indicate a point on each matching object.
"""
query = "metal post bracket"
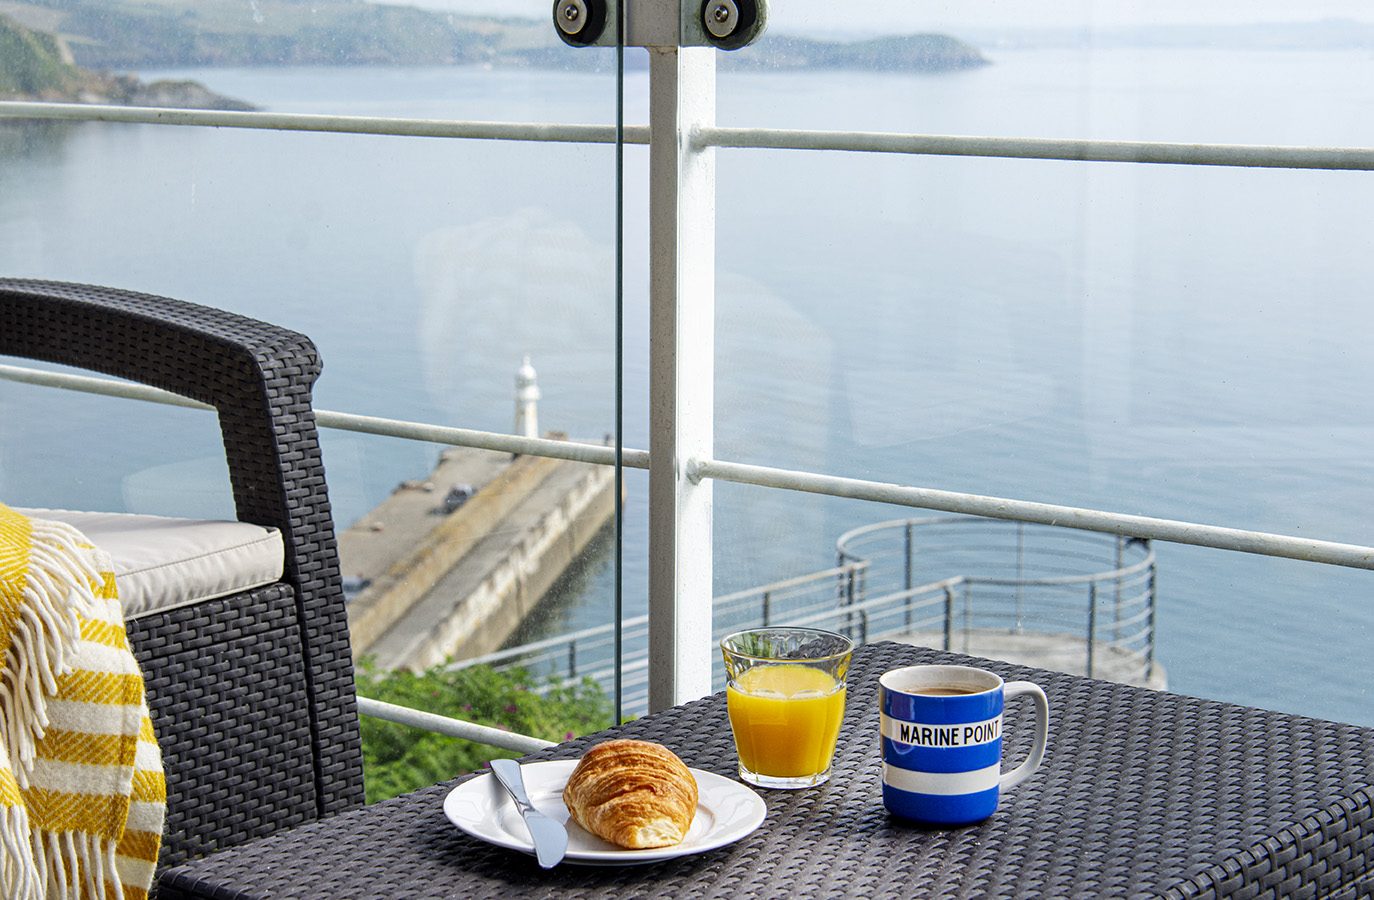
(724, 24)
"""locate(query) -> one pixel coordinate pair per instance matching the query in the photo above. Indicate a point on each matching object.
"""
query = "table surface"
(1141, 794)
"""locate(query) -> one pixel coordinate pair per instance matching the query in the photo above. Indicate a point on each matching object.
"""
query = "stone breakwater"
(449, 567)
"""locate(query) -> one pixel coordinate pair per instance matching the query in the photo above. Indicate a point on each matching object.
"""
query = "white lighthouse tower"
(526, 401)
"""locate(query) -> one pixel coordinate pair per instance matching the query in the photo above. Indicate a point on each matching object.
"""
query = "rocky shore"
(126, 90)
(36, 65)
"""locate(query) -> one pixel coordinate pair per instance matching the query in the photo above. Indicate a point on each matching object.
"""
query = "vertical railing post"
(1150, 647)
(682, 96)
(968, 613)
(572, 658)
(949, 617)
(906, 579)
(849, 603)
(767, 608)
(1020, 573)
(1092, 623)
(1120, 557)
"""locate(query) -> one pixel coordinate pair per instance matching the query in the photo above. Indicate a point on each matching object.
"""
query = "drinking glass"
(785, 693)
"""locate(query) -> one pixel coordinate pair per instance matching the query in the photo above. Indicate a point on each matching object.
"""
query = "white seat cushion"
(161, 563)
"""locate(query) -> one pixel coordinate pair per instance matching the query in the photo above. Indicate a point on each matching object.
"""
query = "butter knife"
(550, 838)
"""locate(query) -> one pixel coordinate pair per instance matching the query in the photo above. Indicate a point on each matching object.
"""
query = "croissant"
(635, 794)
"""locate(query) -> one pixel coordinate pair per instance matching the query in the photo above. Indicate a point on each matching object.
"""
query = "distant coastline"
(82, 50)
(141, 35)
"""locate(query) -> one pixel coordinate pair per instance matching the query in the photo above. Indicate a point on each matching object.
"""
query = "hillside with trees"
(37, 65)
(32, 65)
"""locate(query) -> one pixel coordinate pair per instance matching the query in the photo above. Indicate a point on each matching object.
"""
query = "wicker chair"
(252, 694)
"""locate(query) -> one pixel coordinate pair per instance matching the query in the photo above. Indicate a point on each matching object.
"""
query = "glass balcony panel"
(1168, 341)
(427, 270)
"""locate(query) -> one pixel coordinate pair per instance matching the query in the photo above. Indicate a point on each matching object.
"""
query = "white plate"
(726, 812)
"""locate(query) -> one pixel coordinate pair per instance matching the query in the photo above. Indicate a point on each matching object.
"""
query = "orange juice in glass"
(785, 690)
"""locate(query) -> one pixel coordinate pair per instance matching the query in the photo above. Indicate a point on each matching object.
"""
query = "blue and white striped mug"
(942, 742)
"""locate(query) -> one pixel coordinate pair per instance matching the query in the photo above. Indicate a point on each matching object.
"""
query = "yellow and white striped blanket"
(82, 796)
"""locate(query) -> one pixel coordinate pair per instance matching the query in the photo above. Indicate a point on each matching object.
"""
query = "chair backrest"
(259, 379)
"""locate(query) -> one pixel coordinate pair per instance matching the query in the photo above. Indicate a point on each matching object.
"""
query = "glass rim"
(849, 643)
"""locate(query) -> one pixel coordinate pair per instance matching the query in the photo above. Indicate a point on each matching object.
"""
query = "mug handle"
(1042, 732)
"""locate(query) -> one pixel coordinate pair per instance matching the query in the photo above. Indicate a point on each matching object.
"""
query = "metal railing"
(1017, 579)
(468, 731)
(589, 652)
(937, 580)
(1065, 149)
(1176, 531)
(1070, 150)
(540, 132)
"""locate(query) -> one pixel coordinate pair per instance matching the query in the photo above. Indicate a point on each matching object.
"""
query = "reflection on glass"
(1181, 342)
(431, 273)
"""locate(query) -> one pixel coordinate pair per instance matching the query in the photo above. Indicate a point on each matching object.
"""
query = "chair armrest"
(259, 378)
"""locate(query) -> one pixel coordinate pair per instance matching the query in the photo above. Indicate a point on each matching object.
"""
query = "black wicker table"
(1141, 794)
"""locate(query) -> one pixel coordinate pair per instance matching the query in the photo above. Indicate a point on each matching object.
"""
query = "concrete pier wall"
(519, 578)
(462, 583)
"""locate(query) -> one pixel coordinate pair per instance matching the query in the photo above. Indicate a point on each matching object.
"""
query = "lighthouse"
(526, 401)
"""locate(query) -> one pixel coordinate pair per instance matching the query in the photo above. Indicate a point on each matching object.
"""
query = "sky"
(952, 15)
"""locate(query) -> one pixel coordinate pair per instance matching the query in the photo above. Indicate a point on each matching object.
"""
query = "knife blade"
(550, 838)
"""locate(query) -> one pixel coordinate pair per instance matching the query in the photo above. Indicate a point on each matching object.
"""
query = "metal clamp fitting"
(731, 24)
(580, 22)
(724, 24)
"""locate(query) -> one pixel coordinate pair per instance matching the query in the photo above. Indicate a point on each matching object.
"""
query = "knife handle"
(507, 771)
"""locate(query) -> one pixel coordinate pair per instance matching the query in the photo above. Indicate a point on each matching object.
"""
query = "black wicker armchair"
(252, 694)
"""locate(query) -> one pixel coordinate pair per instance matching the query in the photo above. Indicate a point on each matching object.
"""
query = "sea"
(1179, 342)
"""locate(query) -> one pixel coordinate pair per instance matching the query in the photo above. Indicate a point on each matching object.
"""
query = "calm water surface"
(1168, 341)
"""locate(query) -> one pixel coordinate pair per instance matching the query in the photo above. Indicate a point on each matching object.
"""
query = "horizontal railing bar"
(1128, 599)
(754, 596)
(930, 587)
(1110, 576)
(1069, 149)
(1140, 616)
(91, 385)
(1217, 537)
(1348, 555)
(630, 671)
(875, 602)
(382, 125)
(783, 618)
(816, 618)
(416, 431)
(483, 440)
(471, 731)
(940, 525)
(927, 604)
(558, 641)
(795, 581)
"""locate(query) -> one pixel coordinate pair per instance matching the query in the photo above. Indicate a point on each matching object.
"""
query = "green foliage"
(30, 63)
(398, 759)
